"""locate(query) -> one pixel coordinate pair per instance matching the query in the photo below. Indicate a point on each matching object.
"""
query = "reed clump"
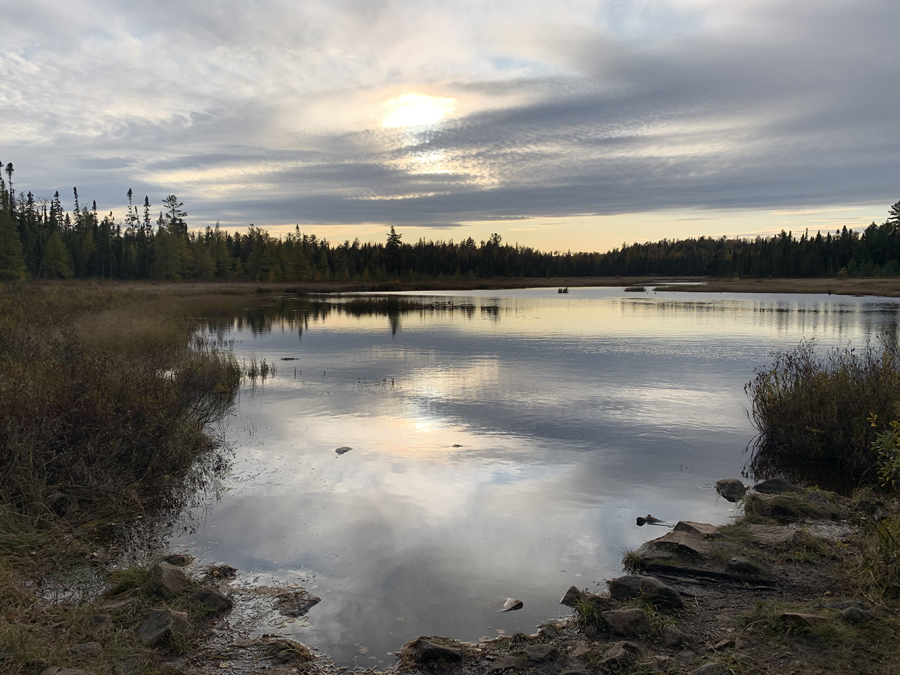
(814, 413)
(104, 404)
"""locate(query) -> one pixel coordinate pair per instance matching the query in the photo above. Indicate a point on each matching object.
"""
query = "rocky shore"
(776, 591)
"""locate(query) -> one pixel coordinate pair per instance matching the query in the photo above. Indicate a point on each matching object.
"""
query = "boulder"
(731, 489)
(631, 622)
(163, 624)
(856, 615)
(211, 598)
(743, 566)
(540, 652)
(770, 535)
(673, 636)
(712, 669)
(425, 651)
(167, 580)
(801, 620)
(620, 654)
(680, 543)
(774, 486)
(635, 586)
(697, 529)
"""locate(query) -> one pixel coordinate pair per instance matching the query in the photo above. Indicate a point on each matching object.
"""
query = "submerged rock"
(296, 603)
(343, 449)
(636, 586)
(731, 489)
(167, 580)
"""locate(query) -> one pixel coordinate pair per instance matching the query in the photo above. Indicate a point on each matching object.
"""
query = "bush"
(814, 415)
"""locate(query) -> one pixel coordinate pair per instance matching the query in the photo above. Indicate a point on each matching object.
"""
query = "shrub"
(813, 414)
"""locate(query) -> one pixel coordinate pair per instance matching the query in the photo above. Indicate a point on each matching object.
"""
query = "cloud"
(271, 113)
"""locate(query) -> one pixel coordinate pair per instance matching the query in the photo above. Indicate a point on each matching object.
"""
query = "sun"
(416, 110)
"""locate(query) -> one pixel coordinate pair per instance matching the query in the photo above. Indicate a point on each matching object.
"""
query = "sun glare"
(416, 110)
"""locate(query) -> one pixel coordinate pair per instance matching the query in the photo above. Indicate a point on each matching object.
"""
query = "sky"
(571, 124)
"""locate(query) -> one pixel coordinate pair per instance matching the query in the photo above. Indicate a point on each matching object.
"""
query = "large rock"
(696, 529)
(680, 543)
(620, 654)
(425, 651)
(574, 596)
(774, 486)
(163, 624)
(631, 622)
(636, 586)
(168, 580)
(770, 535)
(211, 598)
(731, 489)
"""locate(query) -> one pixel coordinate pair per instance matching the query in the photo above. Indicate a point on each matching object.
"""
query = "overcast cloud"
(271, 112)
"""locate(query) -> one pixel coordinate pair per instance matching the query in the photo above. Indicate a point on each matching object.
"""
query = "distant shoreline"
(876, 286)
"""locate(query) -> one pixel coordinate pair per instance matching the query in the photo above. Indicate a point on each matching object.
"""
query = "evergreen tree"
(57, 263)
(12, 259)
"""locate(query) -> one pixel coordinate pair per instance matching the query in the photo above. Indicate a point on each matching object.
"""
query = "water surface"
(503, 446)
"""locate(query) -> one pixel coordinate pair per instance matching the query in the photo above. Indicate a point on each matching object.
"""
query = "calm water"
(501, 448)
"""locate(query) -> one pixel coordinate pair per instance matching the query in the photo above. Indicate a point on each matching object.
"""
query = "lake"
(503, 443)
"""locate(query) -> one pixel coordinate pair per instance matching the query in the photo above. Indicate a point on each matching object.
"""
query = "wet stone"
(296, 603)
(211, 598)
(731, 489)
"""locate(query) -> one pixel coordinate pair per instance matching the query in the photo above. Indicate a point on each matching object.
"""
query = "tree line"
(41, 239)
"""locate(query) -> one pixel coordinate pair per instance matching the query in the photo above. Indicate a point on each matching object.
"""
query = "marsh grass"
(812, 412)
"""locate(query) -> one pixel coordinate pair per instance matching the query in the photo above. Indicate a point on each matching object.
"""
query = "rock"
(634, 586)
(163, 624)
(774, 486)
(167, 580)
(696, 529)
(178, 559)
(712, 669)
(770, 535)
(573, 596)
(86, 649)
(220, 572)
(504, 662)
(296, 603)
(101, 623)
(128, 663)
(548, 631)
(801, 620)
(743, 566)
(425, 651)
(626, 621)
(673, 636)
(856, 615)
(681, 543)
(620, 654)
(540, 652)
(343, 449)
(581, 653)
(731, 489)
(512, 605)
(212, 599)
(603, 603)
(56, 670)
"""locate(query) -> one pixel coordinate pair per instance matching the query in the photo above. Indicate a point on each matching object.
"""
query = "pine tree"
(894, 214)
(57, 262)
(12, 259)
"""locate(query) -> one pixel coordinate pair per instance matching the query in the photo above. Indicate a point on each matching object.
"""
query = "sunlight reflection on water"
(502, 447)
